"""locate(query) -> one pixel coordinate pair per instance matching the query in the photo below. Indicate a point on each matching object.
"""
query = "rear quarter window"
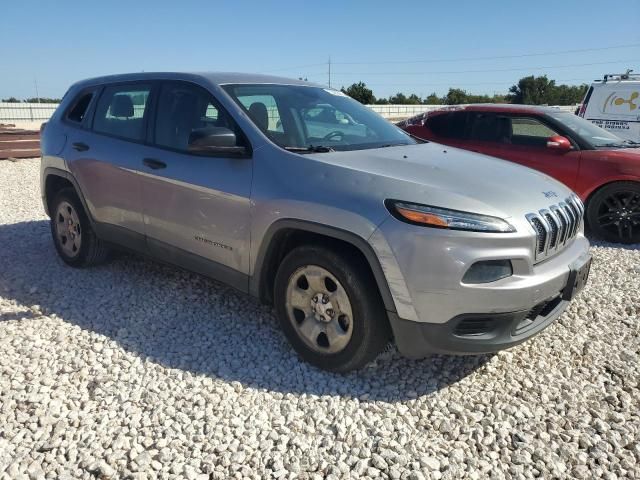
(78, 110)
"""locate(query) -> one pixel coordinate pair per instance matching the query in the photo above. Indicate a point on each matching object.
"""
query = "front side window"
(183, 108)
(121, 111)
(529, 131)
(301, 117)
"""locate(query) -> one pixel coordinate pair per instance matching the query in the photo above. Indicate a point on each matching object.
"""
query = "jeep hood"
(449, 177)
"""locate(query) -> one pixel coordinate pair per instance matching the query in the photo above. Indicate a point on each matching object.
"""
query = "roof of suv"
(218, 78)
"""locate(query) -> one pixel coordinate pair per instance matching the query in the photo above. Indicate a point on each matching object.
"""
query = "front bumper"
(438, 313)
(471, 334)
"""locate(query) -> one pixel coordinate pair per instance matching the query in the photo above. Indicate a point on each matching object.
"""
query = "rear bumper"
(470, 334)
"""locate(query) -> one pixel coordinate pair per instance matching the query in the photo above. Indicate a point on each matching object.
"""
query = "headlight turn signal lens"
(438, 217)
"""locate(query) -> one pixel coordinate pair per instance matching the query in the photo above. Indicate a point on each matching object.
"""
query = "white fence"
(25, 112)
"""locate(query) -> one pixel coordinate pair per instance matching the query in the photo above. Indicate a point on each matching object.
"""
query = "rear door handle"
(81, 147)
(153, 163)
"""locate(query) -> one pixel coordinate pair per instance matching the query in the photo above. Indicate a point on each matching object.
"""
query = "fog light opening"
(487, 271)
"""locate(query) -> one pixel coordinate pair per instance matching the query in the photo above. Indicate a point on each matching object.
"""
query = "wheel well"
(595, 191)
(605, 185)
(286, 240)
(53, 184)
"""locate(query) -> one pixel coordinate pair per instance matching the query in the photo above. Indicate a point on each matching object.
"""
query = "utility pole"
(329, 71)
(35, 82)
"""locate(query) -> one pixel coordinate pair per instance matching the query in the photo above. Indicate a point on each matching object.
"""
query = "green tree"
(382, 101)
(432, 99)
(11, 100)
(532, 90)
(360, 92)
(414, 99)
(456, 96)
(398, 99)
(42, 100)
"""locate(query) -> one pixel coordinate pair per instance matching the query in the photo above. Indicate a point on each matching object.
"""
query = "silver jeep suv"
(356, 232)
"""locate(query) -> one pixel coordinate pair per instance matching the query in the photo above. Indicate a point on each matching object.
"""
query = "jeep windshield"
(309, 119)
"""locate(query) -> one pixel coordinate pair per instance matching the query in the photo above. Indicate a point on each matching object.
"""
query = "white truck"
(613, 103)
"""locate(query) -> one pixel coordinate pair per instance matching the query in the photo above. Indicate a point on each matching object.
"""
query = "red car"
(603, 169)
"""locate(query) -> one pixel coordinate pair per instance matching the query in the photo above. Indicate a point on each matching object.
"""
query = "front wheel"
(613, 213)
(330, 309)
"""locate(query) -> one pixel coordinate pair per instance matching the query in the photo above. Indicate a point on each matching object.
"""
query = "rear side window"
(76, 114)
(448, 125)
(489, 127)
(121, 111)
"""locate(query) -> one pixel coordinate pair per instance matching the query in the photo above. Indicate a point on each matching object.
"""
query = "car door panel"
(198, 205)
(528, 146)
(103, 156)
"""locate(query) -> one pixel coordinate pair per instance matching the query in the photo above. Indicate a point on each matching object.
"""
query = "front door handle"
(153, 163)
(81, 147)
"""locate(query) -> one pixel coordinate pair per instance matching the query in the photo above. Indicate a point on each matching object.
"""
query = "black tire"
(613, 213)
(92, 250)
(370, 325)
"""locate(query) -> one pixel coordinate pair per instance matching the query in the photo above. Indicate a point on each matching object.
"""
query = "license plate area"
(578, 277)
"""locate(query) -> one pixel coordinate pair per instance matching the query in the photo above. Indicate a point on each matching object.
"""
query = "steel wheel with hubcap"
(73, 235)
(68, 231)
(614, 212)
(329, 308)
(319, 309)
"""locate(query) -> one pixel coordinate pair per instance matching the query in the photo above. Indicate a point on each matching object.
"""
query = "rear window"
(121, 111)
(78, 111)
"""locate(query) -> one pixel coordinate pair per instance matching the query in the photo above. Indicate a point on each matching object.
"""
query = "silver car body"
(220, 216)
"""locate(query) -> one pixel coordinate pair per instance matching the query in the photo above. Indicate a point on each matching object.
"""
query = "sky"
(410, 46)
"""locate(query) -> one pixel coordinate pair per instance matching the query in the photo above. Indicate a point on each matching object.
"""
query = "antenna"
(329, 71)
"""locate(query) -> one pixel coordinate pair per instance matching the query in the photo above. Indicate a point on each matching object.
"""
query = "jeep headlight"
(437, 217)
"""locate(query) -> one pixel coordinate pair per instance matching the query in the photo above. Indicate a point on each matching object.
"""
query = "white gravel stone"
(138, 370)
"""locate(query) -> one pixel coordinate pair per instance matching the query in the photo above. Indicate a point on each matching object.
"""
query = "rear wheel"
(613, 213)
(330, 309)
(73, 237)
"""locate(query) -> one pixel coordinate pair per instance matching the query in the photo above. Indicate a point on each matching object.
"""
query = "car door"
(195, 207)
(524, 140)
(449, 128)
(104, 159)
(485, 133)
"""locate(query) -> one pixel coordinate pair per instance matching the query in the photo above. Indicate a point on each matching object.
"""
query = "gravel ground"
(138, 370)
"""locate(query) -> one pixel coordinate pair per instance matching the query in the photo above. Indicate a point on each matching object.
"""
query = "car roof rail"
(621, 76)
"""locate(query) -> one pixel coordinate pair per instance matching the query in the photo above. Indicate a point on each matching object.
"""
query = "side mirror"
(214, 141)
(559, 143)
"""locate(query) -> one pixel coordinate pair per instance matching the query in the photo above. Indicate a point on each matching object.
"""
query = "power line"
(496, 57)
(453, 83)
(296, 67)
(487, 70)
(460, 59)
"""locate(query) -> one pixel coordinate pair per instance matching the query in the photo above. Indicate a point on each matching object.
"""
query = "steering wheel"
(335, 133)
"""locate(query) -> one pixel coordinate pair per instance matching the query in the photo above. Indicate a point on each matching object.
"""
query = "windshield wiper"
(614, 145)
(310, 149)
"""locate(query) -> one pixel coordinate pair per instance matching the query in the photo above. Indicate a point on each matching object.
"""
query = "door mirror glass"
(214, 140)
(559, 143)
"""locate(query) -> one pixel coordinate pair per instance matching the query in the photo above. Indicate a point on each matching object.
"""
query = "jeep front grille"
(556, 226)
